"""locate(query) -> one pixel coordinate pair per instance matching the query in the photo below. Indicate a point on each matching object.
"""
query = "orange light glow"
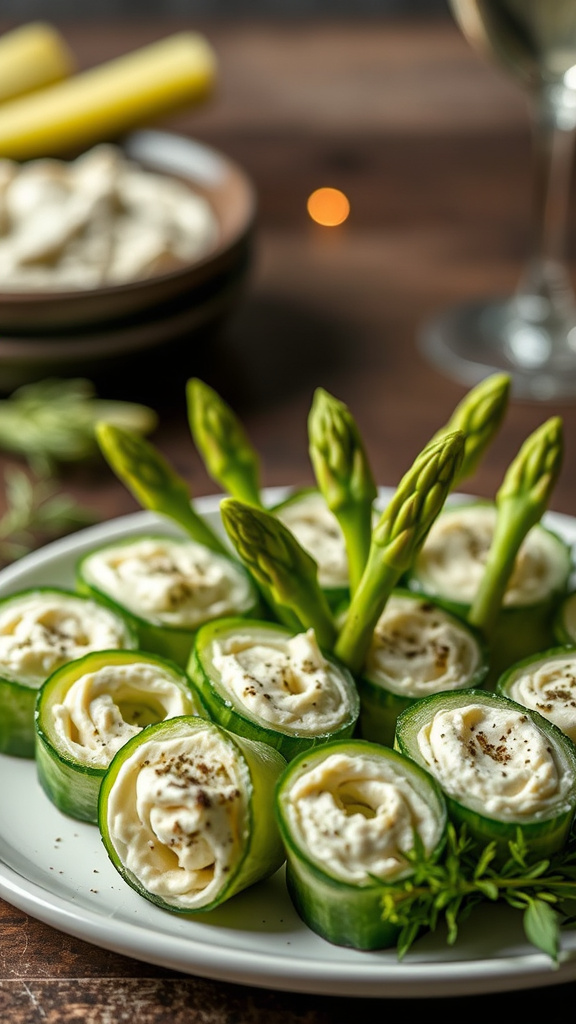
(328, 206)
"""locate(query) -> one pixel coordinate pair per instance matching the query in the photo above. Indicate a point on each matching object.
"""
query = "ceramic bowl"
(41, 316)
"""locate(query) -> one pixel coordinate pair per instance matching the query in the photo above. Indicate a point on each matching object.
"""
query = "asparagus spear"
(284, 571)
(479, 415)
(521, 502)
(223, 444)
(153, 482)
(343, 475)
(396, 539)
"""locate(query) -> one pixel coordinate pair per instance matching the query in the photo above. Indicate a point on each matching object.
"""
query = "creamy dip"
(317, 529)
(101, 710)
(549, 687)
(41, 631)
(176, 815)
(494, 760)
(417, 649)
(356, 816)
(452, 561)
(97, 220)
(169, 582)
(285, 682)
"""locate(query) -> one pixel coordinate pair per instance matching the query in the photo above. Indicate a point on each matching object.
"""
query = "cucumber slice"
(545, 682)
(88, 709)
(450, 564)
(41, 629)
(168, 587)
(260, 680)
(186, 814)
(419, 647)
(347, 812)
(315, 526)
(502, 766)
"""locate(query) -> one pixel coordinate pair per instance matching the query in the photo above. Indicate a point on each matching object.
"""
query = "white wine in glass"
(532, 333)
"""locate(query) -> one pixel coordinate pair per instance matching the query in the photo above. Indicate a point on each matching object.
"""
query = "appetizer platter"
(288, 826)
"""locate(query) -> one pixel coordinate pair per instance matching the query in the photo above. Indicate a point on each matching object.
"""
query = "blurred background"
(216, 8)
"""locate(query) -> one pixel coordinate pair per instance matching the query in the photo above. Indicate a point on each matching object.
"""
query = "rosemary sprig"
(35, 513)
(449, 889)
(52, 421)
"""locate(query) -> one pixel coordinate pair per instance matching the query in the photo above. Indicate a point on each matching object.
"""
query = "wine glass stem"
(546, 274)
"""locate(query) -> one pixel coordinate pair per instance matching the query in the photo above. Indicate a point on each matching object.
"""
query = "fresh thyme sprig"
(35, 512)
(449, 889)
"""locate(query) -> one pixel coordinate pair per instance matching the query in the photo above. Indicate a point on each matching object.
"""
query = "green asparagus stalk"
(521, 502)
(153, 482)
(479, 415)
(343, 475)
(396, 540)
(228, 456)
(285, 573)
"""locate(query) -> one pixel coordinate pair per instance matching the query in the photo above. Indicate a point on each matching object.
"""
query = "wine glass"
(532, 333)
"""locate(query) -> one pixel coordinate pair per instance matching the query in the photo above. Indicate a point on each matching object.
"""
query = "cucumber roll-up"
(545, 682)
(317, 529)
(503, 767)
(169, 586)
(89, 708)
(260, 680)
(451, 564)
(42, 629)
(186, 814)
(418, 648)
(348, 812)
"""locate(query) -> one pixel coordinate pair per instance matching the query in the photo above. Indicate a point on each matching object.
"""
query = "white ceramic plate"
(56, 870)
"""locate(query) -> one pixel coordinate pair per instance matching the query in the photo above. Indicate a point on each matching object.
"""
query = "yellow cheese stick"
(32, 56)
(101, 103)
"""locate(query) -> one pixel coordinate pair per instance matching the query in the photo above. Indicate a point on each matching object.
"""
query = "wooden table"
(431, 147)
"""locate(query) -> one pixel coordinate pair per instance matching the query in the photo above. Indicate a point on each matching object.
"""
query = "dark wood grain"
(431, 146)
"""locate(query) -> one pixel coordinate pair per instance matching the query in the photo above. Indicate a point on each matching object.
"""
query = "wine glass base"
(470, 342)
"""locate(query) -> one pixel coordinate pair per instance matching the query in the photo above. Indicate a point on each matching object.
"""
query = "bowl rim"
(149, 147)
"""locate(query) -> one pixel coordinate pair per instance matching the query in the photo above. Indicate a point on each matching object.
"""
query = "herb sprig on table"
(447, 891)
(35, 513)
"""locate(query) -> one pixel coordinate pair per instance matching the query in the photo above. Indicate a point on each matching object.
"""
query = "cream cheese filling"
(494, 760)
(285, 682)
(317, 529)
(41, 632)
(549, 687)
(356, 817)
(97, 220)
(452, 561)
(101, 710)
(176, 814)
(171, 583)
(417, 648)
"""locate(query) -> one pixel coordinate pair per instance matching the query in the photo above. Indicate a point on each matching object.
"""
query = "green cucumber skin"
(72, 789)
(544, 836)
(17, 703)
(340, 912)
(71, 786)
(222, 710)
(563, 634)
(263, 852)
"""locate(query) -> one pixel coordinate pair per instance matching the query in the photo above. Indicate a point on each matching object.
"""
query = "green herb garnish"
(52, 421)
(447, 891)
(35, 513)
